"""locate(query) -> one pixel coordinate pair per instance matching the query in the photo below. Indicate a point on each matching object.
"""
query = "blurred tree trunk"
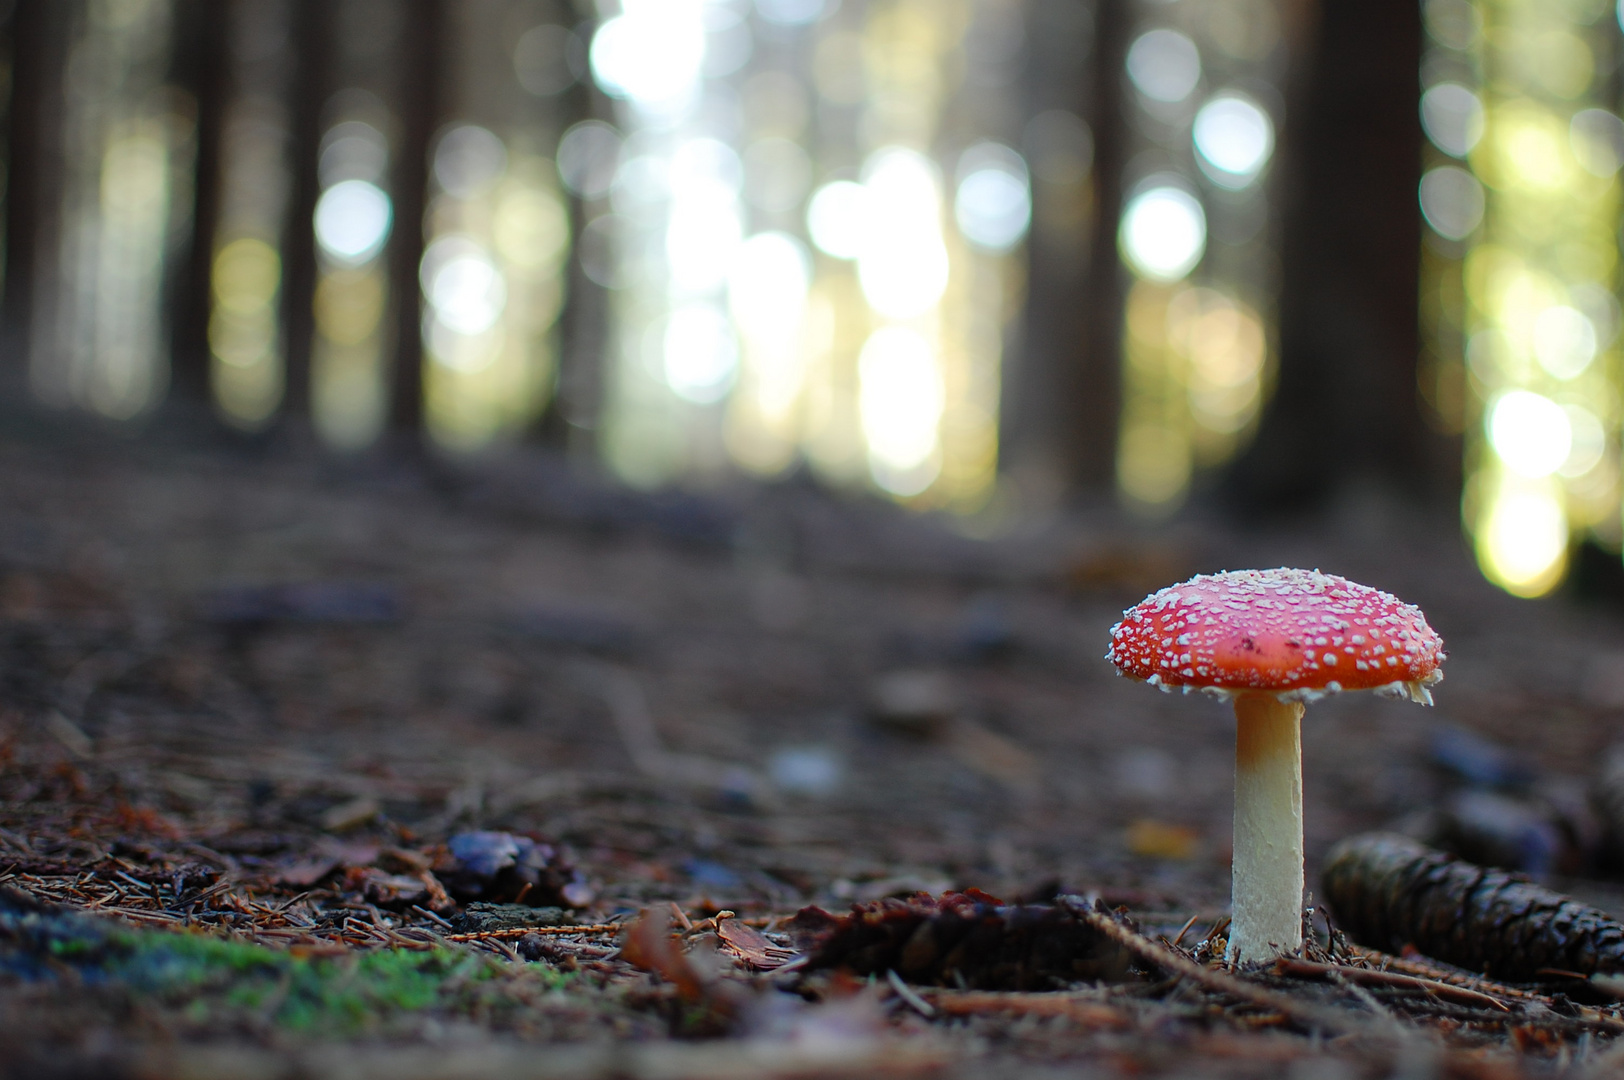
(202, 66)
(1060, 378)
(423, 58)
(1346, 405)
(1095, 391)
(313, 29)
(37, 40)
(571, 417)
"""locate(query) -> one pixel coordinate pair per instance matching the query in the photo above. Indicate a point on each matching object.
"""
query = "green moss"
(348, 993)
(217, 982)
(336, 995)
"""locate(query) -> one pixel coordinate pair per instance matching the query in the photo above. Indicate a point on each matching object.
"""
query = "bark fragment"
(967, 939)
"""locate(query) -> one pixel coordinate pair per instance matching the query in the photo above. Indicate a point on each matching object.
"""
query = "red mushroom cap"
(1299, 634)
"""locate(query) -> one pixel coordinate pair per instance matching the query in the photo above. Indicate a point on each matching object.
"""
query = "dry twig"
(1084, 1011)
(1176, 964)
(1307, 969)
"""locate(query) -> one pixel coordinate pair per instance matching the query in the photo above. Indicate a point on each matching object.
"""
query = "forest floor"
(269, 730)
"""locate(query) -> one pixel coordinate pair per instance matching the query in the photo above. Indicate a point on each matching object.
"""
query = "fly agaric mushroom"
(1270, 641)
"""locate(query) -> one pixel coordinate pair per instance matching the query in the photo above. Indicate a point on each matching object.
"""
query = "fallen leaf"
(650, 946)
(751, 946)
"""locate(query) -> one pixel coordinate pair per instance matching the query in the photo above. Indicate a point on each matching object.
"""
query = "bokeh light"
(468, 160)
(652, 54)
(352, 224)
(1196, 232)
(497, 240)
(706, 220)
(531, 227)
(588, 157)
(700, 354)
(246, 278)
(1153, 463)
(767, 288)
(463, 285)
(352, 150)
(247, 370)
(795, 12)
(350, 306)
(1564, 341)
(777, 174)
(541, 59)
(903, 263)
(599, 249)
(1530, 433)
(246, 275)
(993, 206)
(352, 221)
(101, 341)
(1451, 201)
(1225, 345)
(901, 404)
(1164, 233)
(134, 206)
(1235, 138)
(1588, 442)
(1522, 205)
(824, 179)
(1523, 540)
(1596, 137)
(1452, 117)
(1164, 65)
(837, 218)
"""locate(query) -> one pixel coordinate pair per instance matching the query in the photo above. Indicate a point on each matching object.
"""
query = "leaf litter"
(339, 806)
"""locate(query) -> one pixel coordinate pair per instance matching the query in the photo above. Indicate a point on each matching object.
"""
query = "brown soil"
(292, 685)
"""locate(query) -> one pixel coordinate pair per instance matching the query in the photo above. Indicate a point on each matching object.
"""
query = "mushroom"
(1270, 641)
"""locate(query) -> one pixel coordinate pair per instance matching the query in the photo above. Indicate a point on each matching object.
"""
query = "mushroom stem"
(1268, 862)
